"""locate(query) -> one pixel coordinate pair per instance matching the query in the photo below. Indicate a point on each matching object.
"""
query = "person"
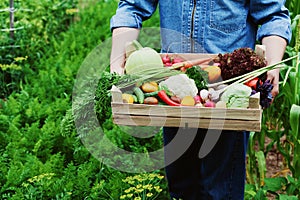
(206, 26)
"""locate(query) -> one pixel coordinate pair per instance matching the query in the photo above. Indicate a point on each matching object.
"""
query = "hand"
(117, 65)
(275, 47)
(120, 37)
(273, 76)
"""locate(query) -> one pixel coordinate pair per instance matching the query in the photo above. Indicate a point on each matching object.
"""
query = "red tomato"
(252, 83)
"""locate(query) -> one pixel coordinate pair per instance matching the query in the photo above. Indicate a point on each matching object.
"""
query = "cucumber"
(134, 98)
(139, 94)
(151, 94)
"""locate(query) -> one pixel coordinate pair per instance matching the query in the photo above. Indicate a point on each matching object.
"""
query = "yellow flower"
(137, 198)
(149, 194)
(25, 184)
(10, 66)
(148, 186)
(71, 11)
(20, 58)
(157, 189)
(131, 182)
(30, 180)
(139, 190)
(129, 195)
(128, 190)
(127, 179)
(160, 176)
(123, 196)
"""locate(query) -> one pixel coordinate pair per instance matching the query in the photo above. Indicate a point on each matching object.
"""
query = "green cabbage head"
(237, 96)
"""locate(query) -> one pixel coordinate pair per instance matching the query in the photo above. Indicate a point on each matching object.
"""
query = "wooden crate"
(186, 116)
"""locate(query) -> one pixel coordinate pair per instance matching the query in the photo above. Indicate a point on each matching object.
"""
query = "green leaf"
(292, 77)
(260, 195)
(261, 161)
(291, 189)
(295, 119)
(275, 184)
(250, 191)
(286, 197)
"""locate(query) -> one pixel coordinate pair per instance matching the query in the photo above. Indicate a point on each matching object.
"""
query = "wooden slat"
(254, 101)
(186, 111)
(116, 94)
(221, 124)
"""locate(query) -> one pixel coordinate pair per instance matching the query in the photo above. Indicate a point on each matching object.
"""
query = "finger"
(275, 90)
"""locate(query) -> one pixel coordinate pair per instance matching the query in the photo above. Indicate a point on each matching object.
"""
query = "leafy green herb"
(103, 96)
(199, 76)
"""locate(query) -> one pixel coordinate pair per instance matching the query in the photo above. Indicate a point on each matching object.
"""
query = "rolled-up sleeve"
(131, 13)
(272, 17)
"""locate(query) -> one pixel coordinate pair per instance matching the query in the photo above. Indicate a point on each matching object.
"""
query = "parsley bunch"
(199, 76)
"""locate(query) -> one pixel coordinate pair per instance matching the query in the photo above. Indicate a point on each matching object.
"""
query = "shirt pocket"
(228, 15)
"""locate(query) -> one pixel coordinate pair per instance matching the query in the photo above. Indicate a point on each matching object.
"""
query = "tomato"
(252, 83)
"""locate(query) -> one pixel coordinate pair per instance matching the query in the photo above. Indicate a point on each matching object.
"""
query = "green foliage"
(280, 123)
(41, 154)
(11, 76)
(103, 96)
(36, 23)
(281, 187)
(39, 20)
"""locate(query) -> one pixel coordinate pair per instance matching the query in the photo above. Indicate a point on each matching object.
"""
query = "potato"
(127, 98)
(188, 101)
(150, 100)
(149, 87)
(214, 73)
(154, 83)
(176, 99)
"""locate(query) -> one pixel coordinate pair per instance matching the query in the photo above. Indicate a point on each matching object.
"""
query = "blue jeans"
(218, 175)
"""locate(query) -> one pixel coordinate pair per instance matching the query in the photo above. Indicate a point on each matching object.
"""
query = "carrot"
(190, 63)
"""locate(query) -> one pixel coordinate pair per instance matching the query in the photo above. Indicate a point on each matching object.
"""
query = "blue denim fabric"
(208, 26)
(219, 175)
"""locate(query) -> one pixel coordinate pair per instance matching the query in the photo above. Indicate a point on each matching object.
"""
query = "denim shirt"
(208, 26)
